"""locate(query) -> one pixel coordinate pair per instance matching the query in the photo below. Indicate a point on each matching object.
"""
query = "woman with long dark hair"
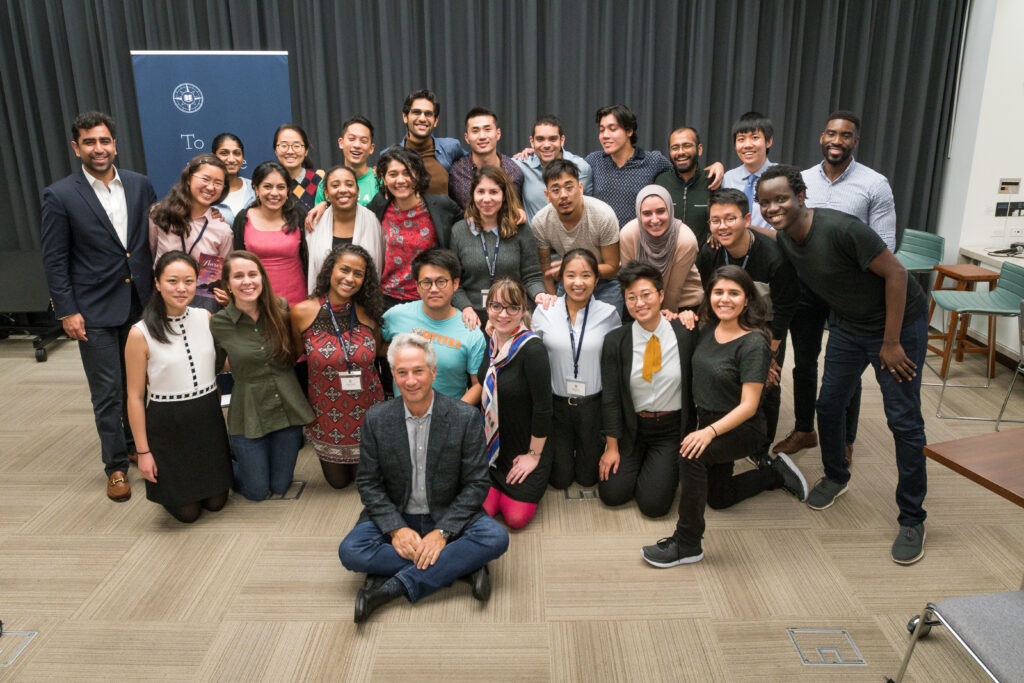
(179, 435)
(573, 330)
(291, 145)
(184, 220)
(730, 367)
(339, 328)
(268, 408)
(412, 220)
(272, 229)
(491, 243)
(228, 148)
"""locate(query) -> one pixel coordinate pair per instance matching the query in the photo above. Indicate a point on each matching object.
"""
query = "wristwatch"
(532, 452)
(446, 535)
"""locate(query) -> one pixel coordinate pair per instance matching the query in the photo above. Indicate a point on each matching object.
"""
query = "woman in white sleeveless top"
(180, 435)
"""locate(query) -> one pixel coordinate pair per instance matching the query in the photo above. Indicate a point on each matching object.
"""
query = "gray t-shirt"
(598, 227)
(833, 263)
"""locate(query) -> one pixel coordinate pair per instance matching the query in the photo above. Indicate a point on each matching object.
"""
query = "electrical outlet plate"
(1016, 231)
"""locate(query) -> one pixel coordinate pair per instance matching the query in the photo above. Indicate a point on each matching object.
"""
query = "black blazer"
(88, 270)
(457, 477)
(238, 228)
(617, 411)
(444, 213)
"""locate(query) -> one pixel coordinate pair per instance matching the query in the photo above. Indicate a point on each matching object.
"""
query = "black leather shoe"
(374, 581)
(480, 581)
(367, 602)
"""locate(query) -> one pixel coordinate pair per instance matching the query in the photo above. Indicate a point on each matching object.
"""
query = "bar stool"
(966, 277)
(919, 251)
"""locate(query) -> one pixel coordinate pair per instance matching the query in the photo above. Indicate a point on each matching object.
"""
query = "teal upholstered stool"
(919, 251)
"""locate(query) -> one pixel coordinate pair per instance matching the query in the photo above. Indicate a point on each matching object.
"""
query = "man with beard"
(548, 144)
(687, 182)
(840, 183)
(878, 318)
(421, 111)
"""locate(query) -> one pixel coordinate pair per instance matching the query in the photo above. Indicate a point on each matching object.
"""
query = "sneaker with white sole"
(669, 553)
(792, 478)
(825, 493)
(908, 547)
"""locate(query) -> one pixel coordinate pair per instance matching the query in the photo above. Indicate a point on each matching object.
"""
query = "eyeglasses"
(649, 295)
(426, 285)
(728, 220)
(494, 308)
(294, 146)
(684, 146)
(206, 180)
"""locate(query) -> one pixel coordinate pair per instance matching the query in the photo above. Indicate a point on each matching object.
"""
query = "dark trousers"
(651, 470)
(846, 357)
(771, 401)
(369, 551)
(806, 330)
(103, 362)
(575, 445)
(715, 465)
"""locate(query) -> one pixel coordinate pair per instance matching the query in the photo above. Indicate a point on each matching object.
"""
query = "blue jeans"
(265, 465)
(368, 551)
(608, 291)
(103, 362)
(846, 357)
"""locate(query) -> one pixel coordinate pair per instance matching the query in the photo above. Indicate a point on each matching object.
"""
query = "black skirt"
(190, 446)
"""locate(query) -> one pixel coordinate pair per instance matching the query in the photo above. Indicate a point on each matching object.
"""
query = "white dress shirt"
(664, 391)
(113, 202)
(552, 326)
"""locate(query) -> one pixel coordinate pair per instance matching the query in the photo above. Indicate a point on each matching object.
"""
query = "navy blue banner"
(187, 98)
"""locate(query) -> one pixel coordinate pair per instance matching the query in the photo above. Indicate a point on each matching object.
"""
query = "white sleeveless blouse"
(183, 368)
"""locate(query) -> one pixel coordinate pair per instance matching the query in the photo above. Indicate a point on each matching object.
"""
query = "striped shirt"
(737, 179)
(860, 192)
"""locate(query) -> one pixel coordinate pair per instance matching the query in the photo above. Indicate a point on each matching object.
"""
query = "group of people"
(618, 321)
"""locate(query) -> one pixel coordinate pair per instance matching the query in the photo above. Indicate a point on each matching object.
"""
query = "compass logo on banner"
(188, 98)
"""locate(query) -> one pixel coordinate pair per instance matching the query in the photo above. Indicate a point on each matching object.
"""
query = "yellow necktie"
(652, 358)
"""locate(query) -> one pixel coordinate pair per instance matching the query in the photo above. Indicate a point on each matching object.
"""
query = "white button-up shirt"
(113, 201)
(663, 392)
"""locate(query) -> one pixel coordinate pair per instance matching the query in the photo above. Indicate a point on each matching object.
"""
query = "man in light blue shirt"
(840, 183)
(752, 134)
(548, 143)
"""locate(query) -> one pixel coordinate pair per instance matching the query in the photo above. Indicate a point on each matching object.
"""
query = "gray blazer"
(457, 477)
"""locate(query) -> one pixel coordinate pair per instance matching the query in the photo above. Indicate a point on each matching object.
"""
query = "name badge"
(575, 387)
(351, 381)
(483, 297)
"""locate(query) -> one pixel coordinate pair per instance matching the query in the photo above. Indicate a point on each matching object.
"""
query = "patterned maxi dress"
(339, 414)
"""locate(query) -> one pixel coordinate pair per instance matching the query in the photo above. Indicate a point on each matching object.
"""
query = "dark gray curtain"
(673, 61)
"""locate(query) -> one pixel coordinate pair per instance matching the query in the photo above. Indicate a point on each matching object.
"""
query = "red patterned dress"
(339, 414)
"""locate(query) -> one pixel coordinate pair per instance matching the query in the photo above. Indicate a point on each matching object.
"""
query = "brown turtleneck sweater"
(438, 174)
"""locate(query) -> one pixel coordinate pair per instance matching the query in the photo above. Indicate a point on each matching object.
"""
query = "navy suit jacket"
(88, 270)
(457, 478)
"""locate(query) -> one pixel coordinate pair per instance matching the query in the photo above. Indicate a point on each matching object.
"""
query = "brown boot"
(795, 442)
(118, 489)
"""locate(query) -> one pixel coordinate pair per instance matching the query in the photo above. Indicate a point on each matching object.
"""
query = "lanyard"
(491, 266)
(572, 337)
(206, 221)
(337, 330)
(746, 258)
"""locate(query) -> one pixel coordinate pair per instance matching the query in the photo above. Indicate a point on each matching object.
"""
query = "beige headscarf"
(658, 251)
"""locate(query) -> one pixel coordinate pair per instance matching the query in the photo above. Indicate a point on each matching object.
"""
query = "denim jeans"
(103, 362)
(606, 290)
(806, 329)
(369, 551)
(265, 465)
(846, 357)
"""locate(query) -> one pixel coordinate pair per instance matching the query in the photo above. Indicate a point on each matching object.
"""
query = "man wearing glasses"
(421, 111)
(460, 351)
(687, 182)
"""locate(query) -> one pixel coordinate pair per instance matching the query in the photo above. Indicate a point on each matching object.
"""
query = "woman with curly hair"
(184, 221)
(340, 330)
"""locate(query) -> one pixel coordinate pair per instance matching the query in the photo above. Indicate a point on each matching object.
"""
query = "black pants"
(709, 477)
(103, 362)
(651, 470)
(806, 329)
(575, 445)
(771, 400)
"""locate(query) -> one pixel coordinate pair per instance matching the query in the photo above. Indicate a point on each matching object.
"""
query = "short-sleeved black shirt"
(720, 370)
(833, 263)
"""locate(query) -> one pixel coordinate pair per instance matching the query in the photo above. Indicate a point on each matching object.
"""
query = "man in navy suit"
(422, 478)
(100, 272)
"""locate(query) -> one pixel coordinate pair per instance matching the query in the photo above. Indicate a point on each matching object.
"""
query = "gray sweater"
(517, 258)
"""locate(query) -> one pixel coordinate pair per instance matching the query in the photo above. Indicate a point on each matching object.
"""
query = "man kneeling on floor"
(423, 525)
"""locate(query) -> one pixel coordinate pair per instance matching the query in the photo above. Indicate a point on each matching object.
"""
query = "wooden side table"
(966, 276)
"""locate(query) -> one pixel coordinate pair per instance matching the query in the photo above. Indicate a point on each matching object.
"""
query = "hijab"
(658, 251)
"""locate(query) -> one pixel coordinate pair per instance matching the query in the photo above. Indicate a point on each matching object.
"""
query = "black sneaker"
(761, 461)
(668, 553)
(825, 493)
(908, 547)
(792, 479)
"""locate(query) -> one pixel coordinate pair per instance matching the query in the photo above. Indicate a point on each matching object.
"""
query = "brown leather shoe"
(118, 489)
(795, 442)
(849, 455)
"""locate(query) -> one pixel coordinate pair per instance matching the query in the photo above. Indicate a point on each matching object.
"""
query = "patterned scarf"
(499, 358)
